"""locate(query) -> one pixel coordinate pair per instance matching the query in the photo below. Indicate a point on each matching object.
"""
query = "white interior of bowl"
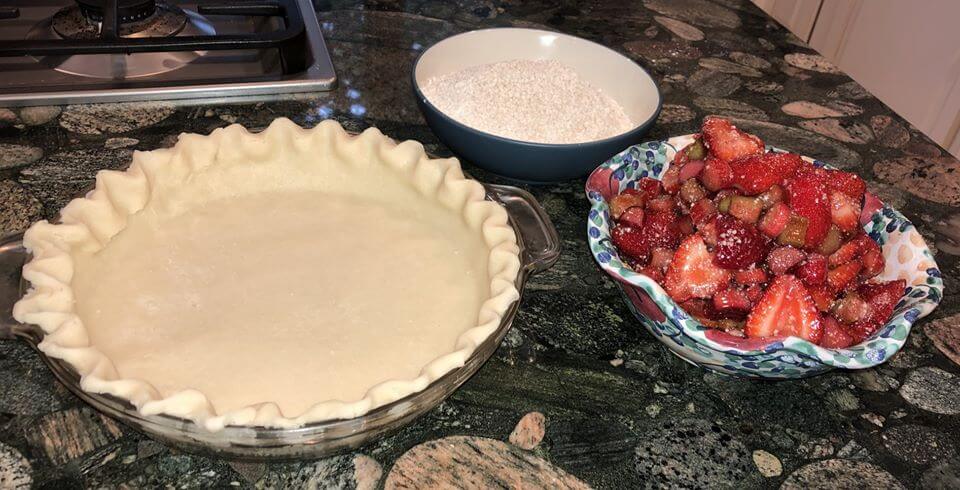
(614, 74)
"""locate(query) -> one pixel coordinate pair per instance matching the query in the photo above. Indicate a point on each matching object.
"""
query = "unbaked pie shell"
(88, 224)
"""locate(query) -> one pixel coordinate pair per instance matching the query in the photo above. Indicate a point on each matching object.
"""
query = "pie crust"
(271, 279)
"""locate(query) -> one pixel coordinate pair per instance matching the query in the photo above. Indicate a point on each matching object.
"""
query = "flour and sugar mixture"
(540, 101)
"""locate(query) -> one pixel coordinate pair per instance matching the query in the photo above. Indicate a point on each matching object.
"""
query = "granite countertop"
(578, 394)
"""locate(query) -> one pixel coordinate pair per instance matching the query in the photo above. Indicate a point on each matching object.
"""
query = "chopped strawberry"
(649, 188)
(632, 216)
(651, 272)
(754, 293)
(738, 244)
(813, 271)
(882, 298)
(834, 336)
(822, 296)
(660, 258)
(630, 198)
(847, 183)
(663, 204)
(844, 211)
(847, 252)
(783, 164)
(750, 276)
(873, 263)
(702, 211)
(732, 299)
(726, 142)
(785, 309)
(757, 174)
(671, 179)
(661, 230)
(716, 174)
(843, 275)
(708, 231)
(629, 240)
(685, 223)
(808, 198)
(775, 220)
(782, 259)
(692, 273)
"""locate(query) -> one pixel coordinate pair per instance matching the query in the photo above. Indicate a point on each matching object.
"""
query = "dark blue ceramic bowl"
(616, 75)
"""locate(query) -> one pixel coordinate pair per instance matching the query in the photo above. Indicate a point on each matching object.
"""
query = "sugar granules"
(541, 101)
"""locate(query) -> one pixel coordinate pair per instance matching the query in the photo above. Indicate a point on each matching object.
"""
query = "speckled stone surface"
(620, 410)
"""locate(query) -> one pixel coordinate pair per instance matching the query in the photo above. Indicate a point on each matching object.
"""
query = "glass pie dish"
(539, 249)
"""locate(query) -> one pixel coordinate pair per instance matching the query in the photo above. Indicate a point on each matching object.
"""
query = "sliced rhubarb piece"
(746, 208)
(772, 196)
(691, 170)
(739, 245)
(630, 198)
(691, 191)
(661, 204)
(831, 242)
(847, 252)
(795, 233)
(782, 259)
(851, 309)
(660, 258)
(775, 220)
(726, 142)
(785, 309)
(723, 205)
(822, 296)
(632, 216)
(696, 150)
(708, 231)
(692, 273)
(685, 223)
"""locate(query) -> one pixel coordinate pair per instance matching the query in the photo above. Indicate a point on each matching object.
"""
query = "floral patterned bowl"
(907, 257)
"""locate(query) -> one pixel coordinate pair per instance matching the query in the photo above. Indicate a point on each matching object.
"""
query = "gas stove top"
(79, 51)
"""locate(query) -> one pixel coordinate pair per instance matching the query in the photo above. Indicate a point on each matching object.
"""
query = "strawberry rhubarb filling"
(757, 243)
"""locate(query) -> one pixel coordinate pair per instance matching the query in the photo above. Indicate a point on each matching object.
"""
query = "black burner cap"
(127, 10)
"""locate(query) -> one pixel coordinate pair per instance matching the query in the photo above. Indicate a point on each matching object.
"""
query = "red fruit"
(660, 258)
(708, 231)
(691, 191)
(632, 216)
(716, 174)
(750, 276)
(813, 271)
(781, 259)
(738, 244)
(844, 211)
(732, 299)
(726, 142)
(883, 297)
(661, 230)
(847, 252)
(671, 179)
(757, 174)
(702, 211)
(692, 273)
(785, 309)
(746, 208)
(772, 196)
(754, 293)
(651, 272)
(822, 296)
(663, 204)
(834, 336)
(690, 170)
(808, 198)
(873, 263)
(630, 198)
(649, 188)
(686, 225)
(847, 183)
(630, 240)
(775, 220)
(843, 275)
(753, 176)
